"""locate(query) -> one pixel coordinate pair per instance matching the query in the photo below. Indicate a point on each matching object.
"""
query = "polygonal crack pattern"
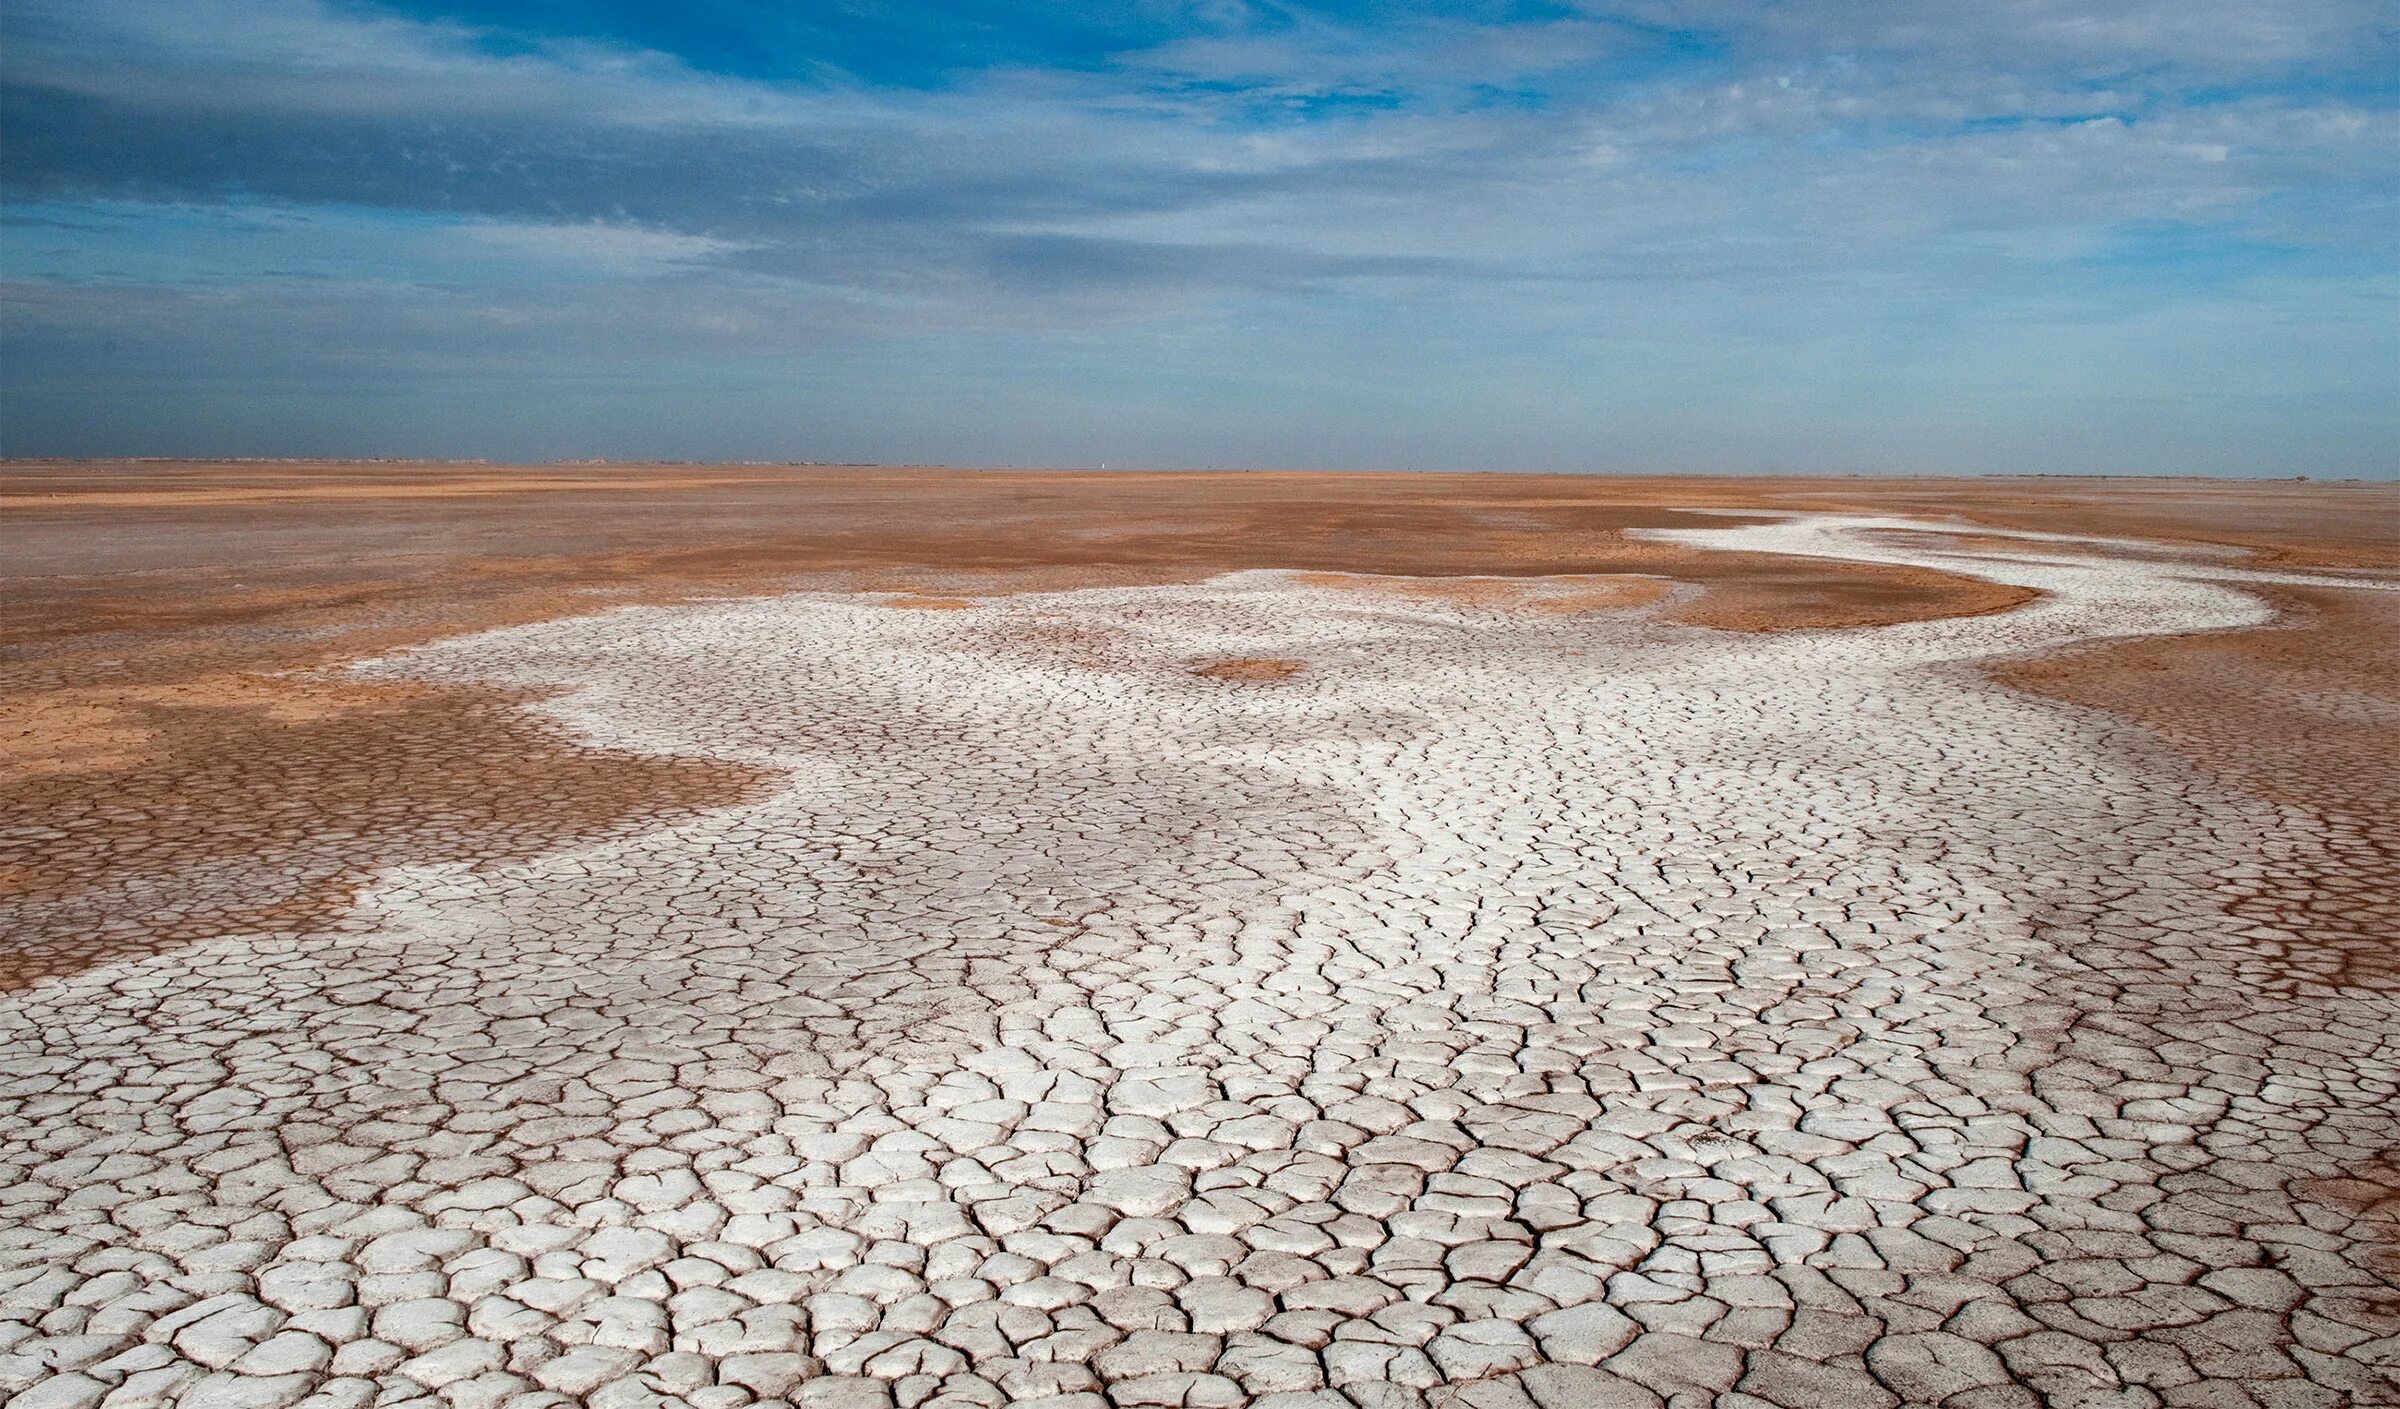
(1496, 1009)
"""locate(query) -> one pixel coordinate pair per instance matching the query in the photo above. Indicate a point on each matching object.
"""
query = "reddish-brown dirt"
(2303, 712)
(1249, 670)
(174, 762)
(1562, 594)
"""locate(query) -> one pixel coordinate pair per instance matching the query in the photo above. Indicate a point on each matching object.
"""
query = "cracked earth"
(1286, 989)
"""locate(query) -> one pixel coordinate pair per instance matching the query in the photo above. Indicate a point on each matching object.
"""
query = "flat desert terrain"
(755, 936)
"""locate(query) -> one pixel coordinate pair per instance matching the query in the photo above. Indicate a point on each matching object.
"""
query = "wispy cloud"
(1190, 188)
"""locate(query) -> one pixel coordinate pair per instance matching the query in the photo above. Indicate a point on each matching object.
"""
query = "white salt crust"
(1504, 1010)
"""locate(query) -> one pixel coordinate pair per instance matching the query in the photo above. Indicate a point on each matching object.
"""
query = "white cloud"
(2220, 36)
(611, 249)
(308, 57)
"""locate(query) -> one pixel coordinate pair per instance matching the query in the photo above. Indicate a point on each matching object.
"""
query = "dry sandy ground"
(1194, 938)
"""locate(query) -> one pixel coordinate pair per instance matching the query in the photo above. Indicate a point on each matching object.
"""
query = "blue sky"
(1715, 235)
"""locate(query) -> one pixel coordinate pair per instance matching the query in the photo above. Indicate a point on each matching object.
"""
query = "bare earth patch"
(1254, 670)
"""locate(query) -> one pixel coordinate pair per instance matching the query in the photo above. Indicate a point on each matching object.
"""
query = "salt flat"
(1502, 1007)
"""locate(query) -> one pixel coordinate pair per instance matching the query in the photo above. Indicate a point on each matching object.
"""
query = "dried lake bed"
(1286, 986)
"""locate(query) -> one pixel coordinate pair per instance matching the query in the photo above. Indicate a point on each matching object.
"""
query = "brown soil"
(175, 764)
(2284, 523)
(1252, 670)
(928, 604)
(220, 815)
(2304, 712)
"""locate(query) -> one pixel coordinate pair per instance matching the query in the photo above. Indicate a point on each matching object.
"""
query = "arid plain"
(731, 936)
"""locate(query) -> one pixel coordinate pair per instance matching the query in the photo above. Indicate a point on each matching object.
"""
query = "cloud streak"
(1654, 200)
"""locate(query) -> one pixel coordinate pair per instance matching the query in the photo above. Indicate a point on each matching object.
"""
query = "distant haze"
(1725, 235)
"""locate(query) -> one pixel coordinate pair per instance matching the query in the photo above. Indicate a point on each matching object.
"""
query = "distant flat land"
(858, 935)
